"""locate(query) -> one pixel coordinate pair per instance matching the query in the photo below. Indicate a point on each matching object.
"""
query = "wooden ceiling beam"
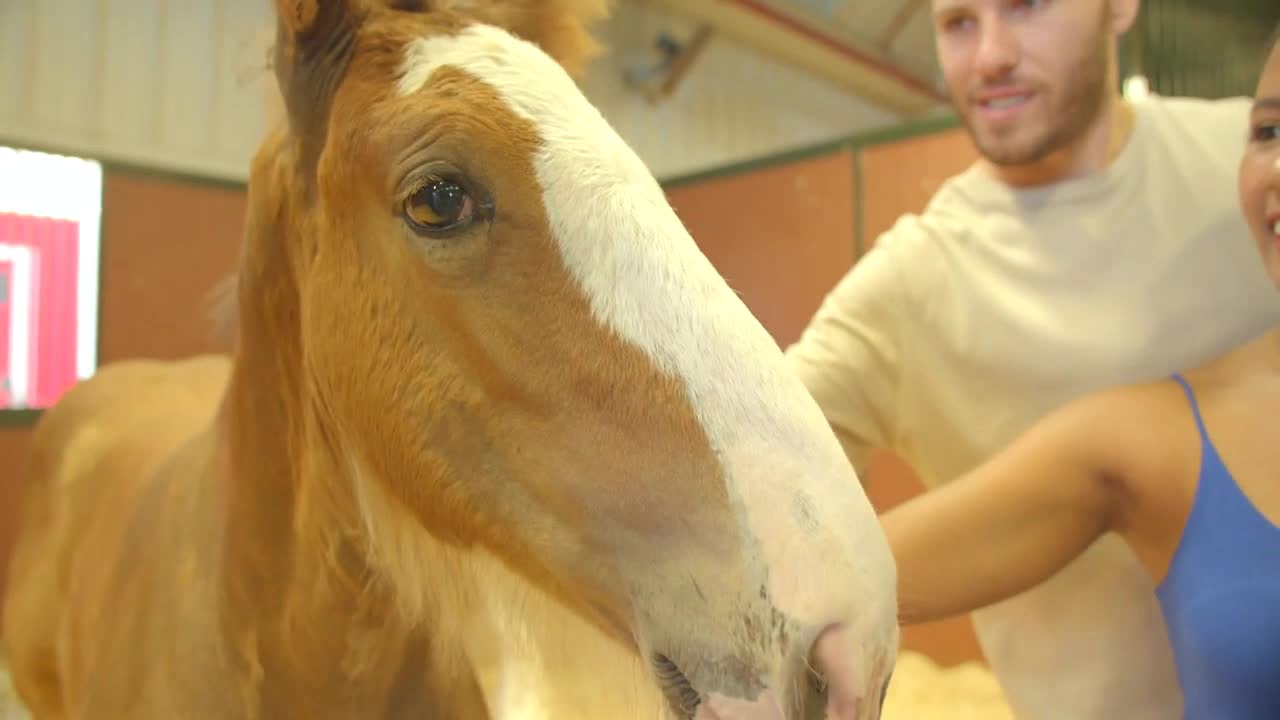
(756, 25)
(905, 13)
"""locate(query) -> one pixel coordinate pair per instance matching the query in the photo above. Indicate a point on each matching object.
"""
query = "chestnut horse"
(495, 438)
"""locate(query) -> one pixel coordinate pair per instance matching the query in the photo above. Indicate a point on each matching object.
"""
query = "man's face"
(1028, 77)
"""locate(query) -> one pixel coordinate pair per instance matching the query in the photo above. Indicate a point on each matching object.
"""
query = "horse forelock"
(561, 28)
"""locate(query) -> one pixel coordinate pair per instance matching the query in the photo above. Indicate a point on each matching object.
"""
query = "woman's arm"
(1017, 519)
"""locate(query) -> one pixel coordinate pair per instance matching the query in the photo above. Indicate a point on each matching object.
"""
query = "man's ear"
(1124, 13)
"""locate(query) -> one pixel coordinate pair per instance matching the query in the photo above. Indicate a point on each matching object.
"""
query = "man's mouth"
(1002, 103)
(999, 106)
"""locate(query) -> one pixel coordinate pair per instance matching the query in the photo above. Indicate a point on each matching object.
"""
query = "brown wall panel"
(13, 454)
(781, 236)
(899, 177)
(165, 244)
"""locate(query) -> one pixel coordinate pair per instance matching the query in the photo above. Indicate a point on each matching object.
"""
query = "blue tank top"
(1221, 597)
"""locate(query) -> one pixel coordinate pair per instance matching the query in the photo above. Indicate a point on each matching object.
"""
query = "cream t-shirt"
(966, 323)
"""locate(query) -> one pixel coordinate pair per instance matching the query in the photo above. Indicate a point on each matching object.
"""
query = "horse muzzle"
(821, 684)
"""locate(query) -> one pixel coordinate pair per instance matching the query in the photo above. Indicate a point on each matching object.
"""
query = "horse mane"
(562, 28)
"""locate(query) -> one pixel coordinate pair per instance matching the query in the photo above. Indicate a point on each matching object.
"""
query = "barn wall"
(182, 86)
(158, 83)
(781, 235)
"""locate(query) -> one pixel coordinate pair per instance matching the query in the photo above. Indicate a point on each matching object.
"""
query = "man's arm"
(849, 357)
(1017, 519)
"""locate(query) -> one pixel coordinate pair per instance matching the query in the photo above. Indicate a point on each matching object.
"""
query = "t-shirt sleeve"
(849, 356)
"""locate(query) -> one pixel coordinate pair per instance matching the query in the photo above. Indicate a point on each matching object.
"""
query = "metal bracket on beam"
(659, 81)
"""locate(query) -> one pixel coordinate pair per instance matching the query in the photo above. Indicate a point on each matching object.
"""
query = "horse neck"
(298, 586)
(287, 506)
(266, 425)
(297, 560)
(302, 525)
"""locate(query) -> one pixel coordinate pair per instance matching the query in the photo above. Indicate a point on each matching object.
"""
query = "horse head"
(515, 346)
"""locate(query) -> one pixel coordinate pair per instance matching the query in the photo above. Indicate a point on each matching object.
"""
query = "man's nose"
(999, 48)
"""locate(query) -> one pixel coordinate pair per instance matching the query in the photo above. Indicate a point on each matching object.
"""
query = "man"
(1095, 242)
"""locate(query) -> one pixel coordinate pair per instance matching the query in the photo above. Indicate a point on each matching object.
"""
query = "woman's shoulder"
(1139, 432)
(1238, 393)
(1142, 406)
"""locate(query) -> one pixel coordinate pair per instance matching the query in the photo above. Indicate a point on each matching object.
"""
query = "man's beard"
(1069, 113)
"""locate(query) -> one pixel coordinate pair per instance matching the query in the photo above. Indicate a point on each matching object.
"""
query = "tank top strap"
(1195, 408)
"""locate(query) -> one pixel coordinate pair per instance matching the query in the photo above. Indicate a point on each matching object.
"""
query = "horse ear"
(562, 28)
(314, 18)
(315, 40)
(297, 16)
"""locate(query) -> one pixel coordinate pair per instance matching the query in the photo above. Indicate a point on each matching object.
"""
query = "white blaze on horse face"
(815, 534)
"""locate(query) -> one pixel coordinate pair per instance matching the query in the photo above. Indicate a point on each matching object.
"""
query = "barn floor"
(921, 690)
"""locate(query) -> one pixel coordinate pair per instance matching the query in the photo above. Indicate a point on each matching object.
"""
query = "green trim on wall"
(853, 142)
(757, 163)
(20, 418)
(154, 173)
(906, 131)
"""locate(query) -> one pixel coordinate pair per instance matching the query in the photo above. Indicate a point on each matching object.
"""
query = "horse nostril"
(817, 680)
(884, 692)
(832, 658)
(679, 692)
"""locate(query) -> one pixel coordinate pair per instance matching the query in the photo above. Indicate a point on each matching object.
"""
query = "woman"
(1186, 470)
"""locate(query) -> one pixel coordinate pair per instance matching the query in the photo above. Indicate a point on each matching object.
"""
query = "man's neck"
(1088, 155)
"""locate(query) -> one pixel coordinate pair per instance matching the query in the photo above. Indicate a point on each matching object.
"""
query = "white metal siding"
(158, 83)
(175, 85)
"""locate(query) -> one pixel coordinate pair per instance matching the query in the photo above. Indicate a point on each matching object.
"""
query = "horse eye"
(439, 205)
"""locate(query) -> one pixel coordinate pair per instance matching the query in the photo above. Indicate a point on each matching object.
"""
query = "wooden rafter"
(906, 11)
